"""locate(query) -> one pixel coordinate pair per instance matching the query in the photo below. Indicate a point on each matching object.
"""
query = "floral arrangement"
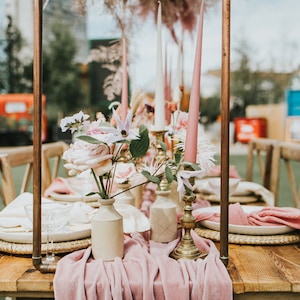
(164, 172)
(100, 147)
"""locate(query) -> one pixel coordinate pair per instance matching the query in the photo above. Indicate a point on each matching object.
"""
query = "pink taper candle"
(191, 141)
(124, 98)
(159, 102)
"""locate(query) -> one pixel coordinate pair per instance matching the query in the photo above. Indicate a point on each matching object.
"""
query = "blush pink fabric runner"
(145, 272)
(266, 216)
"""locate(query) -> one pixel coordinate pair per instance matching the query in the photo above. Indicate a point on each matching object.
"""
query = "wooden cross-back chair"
(289, 153)
(260, 151)
(23, 156)
(51, 159)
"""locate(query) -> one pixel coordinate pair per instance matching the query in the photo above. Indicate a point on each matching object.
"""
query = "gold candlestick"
(186, 247)
(161, 156)
(160, 137)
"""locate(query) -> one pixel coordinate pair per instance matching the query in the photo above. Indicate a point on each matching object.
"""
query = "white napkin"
(133, 219)
(13, 216)
(244, 188)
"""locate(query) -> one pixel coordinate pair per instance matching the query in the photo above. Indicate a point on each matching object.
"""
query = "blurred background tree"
(11, 65)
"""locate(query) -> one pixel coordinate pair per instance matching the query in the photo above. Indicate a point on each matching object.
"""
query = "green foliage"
(61, 75)
(138, 148)
(209, 109)
(12, 78)
(254, 86)
(151, 178)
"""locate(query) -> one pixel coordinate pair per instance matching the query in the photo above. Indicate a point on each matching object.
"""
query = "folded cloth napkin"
(244, 188)
(145, 272)
(14, 215)
(264, 216)
(59, 185)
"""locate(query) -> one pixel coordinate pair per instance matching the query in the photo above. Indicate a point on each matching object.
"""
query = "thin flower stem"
(101, 188)
(130, 188)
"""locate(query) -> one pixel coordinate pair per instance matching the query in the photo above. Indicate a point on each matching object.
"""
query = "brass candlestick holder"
(161, 154)
(186, 247)
(160, 137)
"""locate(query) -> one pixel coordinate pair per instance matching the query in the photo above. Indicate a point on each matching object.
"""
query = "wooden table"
(257, 272)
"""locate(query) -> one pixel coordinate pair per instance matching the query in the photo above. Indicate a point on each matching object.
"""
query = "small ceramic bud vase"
(174, 195)
(107, 232)
(163, 218)
(125, 196)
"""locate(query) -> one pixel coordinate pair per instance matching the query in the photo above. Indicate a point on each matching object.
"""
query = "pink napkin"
(59, 185)
(266, 216)
(145, 272)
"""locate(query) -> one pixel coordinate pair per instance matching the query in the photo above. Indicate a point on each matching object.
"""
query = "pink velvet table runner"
(145, 272)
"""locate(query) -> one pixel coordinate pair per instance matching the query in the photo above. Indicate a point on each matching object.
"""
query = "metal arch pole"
(37, 139)
(225, 96)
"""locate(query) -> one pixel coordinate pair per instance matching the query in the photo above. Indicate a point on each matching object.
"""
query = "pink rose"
(124, 171)
(82, 156)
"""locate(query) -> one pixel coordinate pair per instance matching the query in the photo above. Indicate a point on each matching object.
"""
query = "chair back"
(20, 156)
(51, 159)
(260, 152)
(23, 157)
(289, 154)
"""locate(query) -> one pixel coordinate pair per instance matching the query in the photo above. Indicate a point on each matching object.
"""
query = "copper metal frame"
(225, 95)
(37, 143)
(37, 140)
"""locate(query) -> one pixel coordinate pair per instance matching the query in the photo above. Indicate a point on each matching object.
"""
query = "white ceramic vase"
(126, 197)
(163, 218)
(107, 232)
(174, 195)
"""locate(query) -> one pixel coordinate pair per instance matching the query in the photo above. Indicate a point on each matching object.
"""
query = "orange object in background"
(248, 128)
(16, 119)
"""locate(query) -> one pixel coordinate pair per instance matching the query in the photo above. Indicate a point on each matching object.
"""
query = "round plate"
(73, 197)
(241, 229)
(232, 199)
(72, 232)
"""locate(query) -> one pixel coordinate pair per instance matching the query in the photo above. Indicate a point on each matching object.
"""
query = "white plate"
(71, 233)
(232, 199)
(242, 229)
(73, 197)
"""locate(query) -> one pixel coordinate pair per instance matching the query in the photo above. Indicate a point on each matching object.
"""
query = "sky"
(269, 27)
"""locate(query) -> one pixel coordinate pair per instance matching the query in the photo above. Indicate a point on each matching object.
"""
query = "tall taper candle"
(178, 79)
(190, 153)
(124, 98)
(159, 103)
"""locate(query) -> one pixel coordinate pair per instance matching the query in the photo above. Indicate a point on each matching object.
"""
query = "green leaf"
(191, 166)
(151, 178)
(138, 148)
(177, 156)
(163, 145)
(169, 174)
(89, 139)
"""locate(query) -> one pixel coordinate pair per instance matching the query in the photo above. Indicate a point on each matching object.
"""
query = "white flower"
(76, 122)
(123, 131)
(205, 150)
(183, 177)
